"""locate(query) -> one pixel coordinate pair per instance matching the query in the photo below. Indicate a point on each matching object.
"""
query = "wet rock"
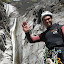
(62, 1)
(33, 53)
(5, 57)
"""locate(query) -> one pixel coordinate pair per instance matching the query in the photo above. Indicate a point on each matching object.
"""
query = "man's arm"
(32, 39)
(62, 30)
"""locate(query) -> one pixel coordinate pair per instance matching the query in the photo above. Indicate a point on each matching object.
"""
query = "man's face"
(47, 21)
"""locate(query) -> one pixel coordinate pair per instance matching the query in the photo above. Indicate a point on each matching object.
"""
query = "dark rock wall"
(5, 40)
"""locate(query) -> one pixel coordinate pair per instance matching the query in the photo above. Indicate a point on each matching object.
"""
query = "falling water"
(9, 10)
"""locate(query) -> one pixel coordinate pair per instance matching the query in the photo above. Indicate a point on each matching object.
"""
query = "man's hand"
(25, 26)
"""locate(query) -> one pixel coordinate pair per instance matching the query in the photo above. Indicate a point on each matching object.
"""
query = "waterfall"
(9, 10)
(13, 39)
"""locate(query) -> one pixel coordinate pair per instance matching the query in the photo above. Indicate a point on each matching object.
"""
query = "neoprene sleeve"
(32, 39)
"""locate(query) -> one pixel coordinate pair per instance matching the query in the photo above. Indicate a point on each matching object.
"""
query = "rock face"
(33, 53)
(25, 52)
(5, 41)
(62, 1)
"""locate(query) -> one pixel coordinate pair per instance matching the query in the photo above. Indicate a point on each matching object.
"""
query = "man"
(53, 36)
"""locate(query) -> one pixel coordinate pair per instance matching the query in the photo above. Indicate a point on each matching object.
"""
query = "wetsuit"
(53, 37)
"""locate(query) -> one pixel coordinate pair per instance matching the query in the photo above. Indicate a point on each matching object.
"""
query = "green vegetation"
(34, 0)
(5, 0)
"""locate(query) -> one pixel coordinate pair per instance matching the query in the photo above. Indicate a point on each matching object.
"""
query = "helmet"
(45, 13)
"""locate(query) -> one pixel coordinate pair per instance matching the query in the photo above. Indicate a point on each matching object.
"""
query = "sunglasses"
(46, 19)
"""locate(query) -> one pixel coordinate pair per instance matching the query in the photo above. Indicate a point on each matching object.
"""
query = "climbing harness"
(52, 56)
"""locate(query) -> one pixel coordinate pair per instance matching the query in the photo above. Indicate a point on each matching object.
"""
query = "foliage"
(34, 0)
(5, 0)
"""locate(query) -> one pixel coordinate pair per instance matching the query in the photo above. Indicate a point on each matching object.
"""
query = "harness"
(53, 56)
